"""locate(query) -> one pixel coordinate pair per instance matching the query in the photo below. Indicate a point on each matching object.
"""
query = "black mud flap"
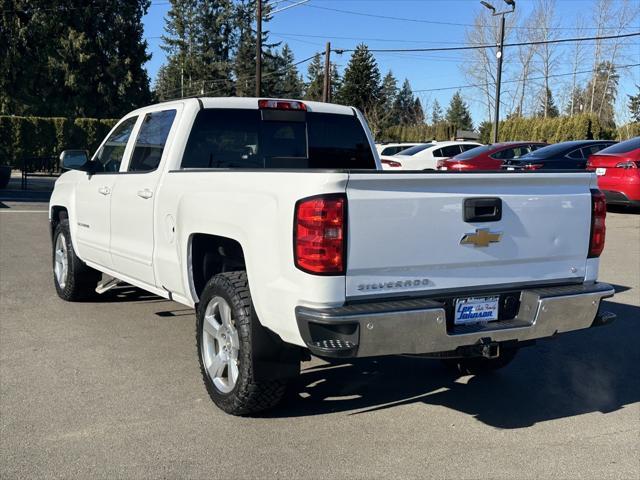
(272, 359)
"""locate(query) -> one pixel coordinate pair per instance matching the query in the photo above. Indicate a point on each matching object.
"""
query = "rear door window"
(467, 147)
(151, 140)
(234, 138)
(449, 151)
(576, 154)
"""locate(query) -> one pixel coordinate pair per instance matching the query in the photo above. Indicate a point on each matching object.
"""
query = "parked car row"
(617, 165)
(425, 156)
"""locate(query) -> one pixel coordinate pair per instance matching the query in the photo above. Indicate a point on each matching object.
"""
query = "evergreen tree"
(547, 107)
(601, 93)
(61, 58)
(389, 91)
(361, 82)
(634, 105)
(576, 102)
(315, 74)
(290, 83)
(216, 34)
(315, 79)
(244, 66)
(198, 41)
(436, 113)
(458, 113)
(418, 112)
(404, 106)
(177, 74)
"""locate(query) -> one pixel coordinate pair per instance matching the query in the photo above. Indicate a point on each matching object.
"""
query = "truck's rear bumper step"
(419, 326)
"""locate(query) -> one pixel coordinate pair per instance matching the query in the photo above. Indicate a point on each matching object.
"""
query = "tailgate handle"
(482, 209)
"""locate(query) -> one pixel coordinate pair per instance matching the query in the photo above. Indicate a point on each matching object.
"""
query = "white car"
(393, 148)
(273, 219)
(426, 156)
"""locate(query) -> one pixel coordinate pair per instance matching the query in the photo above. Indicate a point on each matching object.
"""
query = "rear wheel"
(74, 280)
(481, 365)
(225, 348)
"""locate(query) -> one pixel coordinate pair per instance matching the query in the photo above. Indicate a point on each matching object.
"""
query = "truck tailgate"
(405, 231)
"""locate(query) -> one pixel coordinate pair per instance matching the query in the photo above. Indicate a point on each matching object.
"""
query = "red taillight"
(266, 104)
(391, 163)
(319, 234)
(628, 164)
(533, 166)
(598, 229)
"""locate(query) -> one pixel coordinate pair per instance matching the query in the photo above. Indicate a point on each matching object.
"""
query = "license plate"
(510, 168)
(601, 171)
(476, 310)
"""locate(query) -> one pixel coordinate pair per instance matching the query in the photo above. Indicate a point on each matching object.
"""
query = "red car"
(488, 157)
(618, 171)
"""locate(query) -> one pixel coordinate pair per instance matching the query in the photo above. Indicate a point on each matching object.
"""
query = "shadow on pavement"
(126, 293)
(593, 370)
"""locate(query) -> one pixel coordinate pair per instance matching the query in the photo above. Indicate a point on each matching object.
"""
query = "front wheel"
(224, 323)
(74, 280)
(481, 365)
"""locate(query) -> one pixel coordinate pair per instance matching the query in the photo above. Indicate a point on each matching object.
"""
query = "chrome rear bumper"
(419, 326)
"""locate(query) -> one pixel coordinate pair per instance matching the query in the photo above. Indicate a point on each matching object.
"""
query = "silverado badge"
(481, 238)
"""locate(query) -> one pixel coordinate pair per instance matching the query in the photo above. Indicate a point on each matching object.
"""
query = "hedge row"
(630, 130)
(417, 133)
(557, 129)
(552, 130)
(25, 137)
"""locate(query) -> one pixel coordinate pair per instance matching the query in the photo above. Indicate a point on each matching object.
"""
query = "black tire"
(248, 396)
(80, 280)
(481, 365)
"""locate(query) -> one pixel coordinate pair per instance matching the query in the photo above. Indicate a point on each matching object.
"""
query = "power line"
(478, 47)
(478, 85)
(431, 22)
(268, 74)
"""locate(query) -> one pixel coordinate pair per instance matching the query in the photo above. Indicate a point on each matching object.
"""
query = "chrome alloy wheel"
(220, 344)
(61, 261)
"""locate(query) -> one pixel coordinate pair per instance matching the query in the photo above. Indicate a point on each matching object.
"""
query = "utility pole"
(326, 86)
(496, 117)
(259, 48)
(499, 55)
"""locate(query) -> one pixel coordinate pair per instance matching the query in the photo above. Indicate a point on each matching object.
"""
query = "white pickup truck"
(274, 219)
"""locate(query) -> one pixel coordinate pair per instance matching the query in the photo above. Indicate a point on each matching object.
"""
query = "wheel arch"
(209, 255)
(57, 213)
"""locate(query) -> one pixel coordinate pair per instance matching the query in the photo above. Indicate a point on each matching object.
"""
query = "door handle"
(146, 193)
(104, 190)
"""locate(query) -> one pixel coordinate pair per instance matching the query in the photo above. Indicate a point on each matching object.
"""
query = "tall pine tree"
(315, 79)
(458, 113)
(59, 57)
(199, 40)
(547, 107)
(404, 106)
(361, 81)
(436, 113)
(418, 112)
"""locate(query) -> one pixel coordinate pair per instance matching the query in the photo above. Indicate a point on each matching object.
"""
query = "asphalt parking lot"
(112, 389)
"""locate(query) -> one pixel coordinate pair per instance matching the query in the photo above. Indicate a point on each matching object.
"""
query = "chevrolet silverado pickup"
(275, 221)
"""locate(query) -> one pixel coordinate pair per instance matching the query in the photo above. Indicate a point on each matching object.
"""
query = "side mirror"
(75, 160)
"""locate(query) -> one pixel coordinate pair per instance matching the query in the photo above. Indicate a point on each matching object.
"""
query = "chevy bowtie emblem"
(482, 238)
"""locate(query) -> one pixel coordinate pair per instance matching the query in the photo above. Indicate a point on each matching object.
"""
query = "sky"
(307, 28)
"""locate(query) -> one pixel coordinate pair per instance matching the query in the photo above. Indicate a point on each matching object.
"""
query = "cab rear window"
(254, 139)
